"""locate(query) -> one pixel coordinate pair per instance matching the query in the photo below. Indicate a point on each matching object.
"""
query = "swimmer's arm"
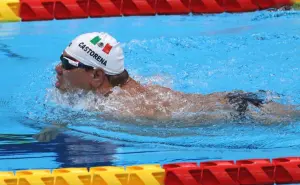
(272, 112)
(278, 109)
(136, 113)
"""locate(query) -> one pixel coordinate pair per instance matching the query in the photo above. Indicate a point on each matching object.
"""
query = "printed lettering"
(96, 56)
(92, 53)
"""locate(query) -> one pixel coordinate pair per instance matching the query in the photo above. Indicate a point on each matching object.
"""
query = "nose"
(59, 69)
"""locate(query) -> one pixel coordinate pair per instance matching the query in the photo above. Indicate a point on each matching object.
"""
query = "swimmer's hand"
(46, 135)
(49, 133)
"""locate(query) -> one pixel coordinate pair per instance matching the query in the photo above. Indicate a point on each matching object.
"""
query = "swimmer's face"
(73, 79)
(77, 78)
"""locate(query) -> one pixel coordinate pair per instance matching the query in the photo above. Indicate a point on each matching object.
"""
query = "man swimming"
(94, 62)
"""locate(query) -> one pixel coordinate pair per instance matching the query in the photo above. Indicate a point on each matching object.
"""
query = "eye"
(67, 66)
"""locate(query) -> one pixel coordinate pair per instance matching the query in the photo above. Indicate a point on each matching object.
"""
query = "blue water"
(193, 54)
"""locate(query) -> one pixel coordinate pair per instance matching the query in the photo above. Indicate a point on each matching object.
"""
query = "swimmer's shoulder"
(162, 89)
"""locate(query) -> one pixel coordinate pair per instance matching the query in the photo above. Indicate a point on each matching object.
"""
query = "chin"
(60, 87)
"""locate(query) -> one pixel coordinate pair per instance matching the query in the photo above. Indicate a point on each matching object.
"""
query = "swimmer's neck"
(133, 87)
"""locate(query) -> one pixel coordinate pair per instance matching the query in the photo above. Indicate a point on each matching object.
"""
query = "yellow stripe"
(148, 174)
(7, 178)
(9, 10)
(31, 177)
(151, 174)
(109, 175)
(70, 176)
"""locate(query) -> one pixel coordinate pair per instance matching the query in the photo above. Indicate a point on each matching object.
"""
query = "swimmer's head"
(91, 61)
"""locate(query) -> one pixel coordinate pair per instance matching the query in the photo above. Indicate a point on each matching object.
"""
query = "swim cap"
(98, 50)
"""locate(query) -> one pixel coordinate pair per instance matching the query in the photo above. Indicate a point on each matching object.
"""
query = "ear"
(98, 78)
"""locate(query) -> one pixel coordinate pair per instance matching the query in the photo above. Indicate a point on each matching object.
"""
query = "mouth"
(57, 84)
(60, 86)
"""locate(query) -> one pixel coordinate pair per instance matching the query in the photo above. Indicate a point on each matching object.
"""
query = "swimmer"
(94, 62)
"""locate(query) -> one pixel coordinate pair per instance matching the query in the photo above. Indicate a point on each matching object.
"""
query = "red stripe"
(107, 48)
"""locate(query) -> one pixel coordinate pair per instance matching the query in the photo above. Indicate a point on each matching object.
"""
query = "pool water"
(193, 54)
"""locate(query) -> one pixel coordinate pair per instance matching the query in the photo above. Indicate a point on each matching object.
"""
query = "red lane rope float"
(264, 4)
(255, 171)
(182, 174)
(215, 172)
(287, 170)
(172, 7)
(105, 8)
(34, 10)
(139, 7)
(242, 172)
(206, 6)
(240, 5)
(69, 9)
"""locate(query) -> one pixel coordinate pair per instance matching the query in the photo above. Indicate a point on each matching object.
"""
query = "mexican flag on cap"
(96, 41)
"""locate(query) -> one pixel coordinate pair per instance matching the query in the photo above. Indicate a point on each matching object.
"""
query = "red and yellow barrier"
(34, 10)
(223, 172)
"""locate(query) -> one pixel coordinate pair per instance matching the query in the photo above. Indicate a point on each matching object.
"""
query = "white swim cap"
(98, 50)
